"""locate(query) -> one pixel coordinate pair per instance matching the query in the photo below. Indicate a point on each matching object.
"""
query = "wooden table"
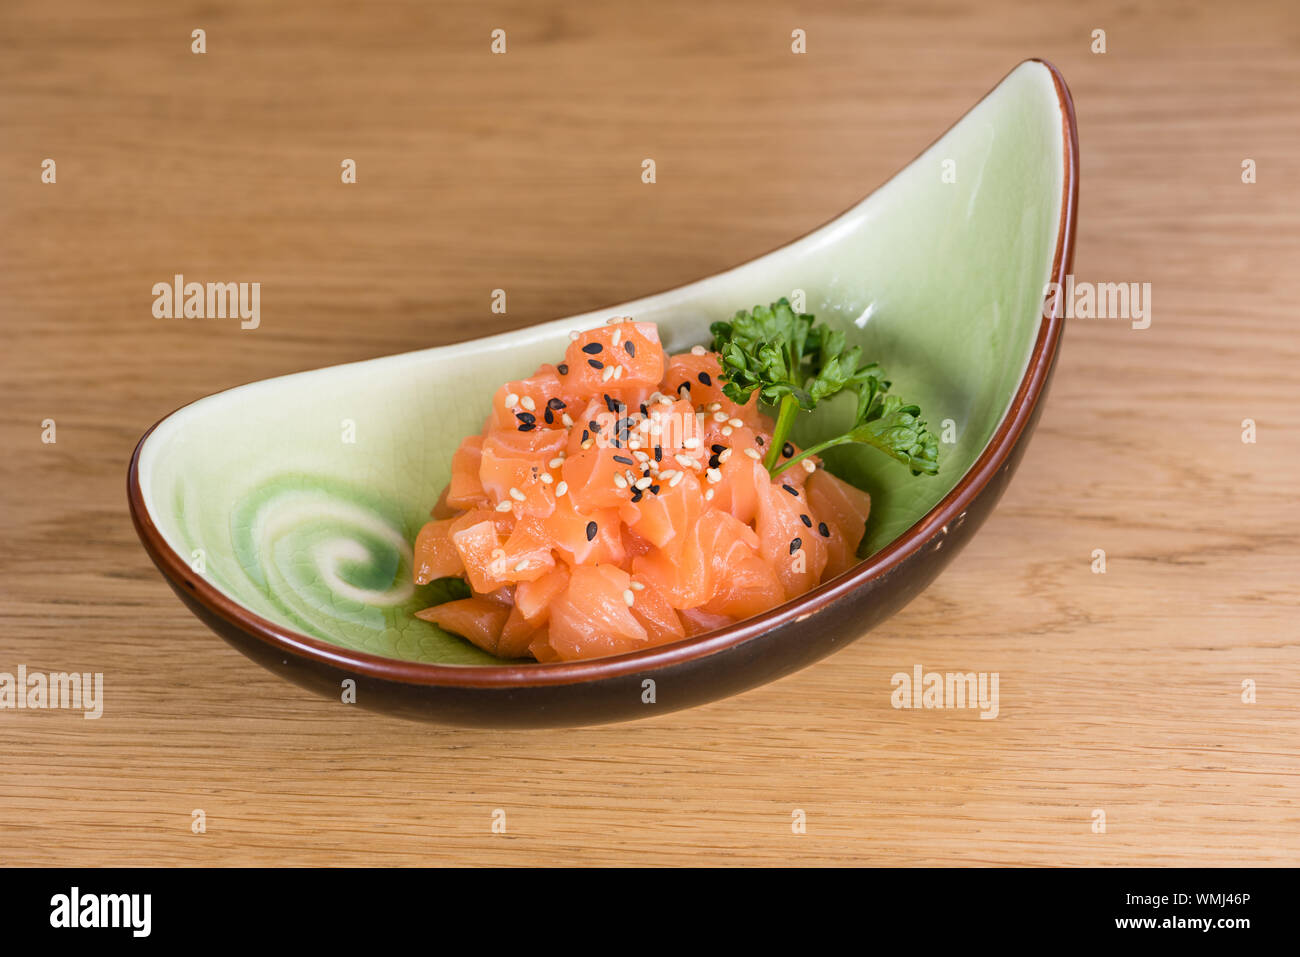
(1120, 692)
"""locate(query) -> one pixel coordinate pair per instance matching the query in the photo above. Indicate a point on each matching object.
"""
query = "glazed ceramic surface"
(296, 499)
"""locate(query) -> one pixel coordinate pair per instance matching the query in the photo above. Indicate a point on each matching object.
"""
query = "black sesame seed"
(585, 436)
(636, 495)
(713, 462)
(526, 426)
(787, 450)
(718, 449)
(684, 385)
(826, 532)
(659, 453)
(611, 404)
(791, 489)
(629, 348)
(527, 417)
(592, 529)
(556, 404)
(592, 348)
(705, 379)
(595, 363)
(624, 460)
(806, 520)
(795, 545)
(758, 439)
(643, 411)
(594, 426)
(654, 489)
(550, 417)
(562, 368)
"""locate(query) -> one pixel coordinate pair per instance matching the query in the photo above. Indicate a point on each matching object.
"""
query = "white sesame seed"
(735, 423)
(567, 420)
(685, 460)
(697, 350)
(713, 407)
(561, 489)
(808, 466)
(644, 483)
(547, 478)
(522, 565)
(637, 586)
(667, 474)
(620, 481)
(517, 495)
(618, 337)
(753, 453)
(608, 373)
(675, 479)
(574, 334)
(726, 430)
(588, 444)
(724, 455)
(714, 476)
(512, 400)
(528, 403)
(618, 372)
(708, 495)
(720, 417)
(690, 443)
(628, 597)
(641, 456)
(556, 462)
(504, 506)
(614, 321)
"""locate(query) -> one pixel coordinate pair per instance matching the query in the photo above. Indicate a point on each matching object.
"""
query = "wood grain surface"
(1119, 692)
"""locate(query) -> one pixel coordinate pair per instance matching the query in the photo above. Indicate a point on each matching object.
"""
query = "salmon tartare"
(621, 499)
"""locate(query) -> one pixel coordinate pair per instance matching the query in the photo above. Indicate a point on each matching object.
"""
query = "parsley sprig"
(794, 362)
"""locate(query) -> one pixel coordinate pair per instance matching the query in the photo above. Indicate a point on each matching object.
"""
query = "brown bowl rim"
(948, 509)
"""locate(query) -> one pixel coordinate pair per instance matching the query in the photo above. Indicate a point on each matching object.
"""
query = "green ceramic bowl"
(283, 511)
